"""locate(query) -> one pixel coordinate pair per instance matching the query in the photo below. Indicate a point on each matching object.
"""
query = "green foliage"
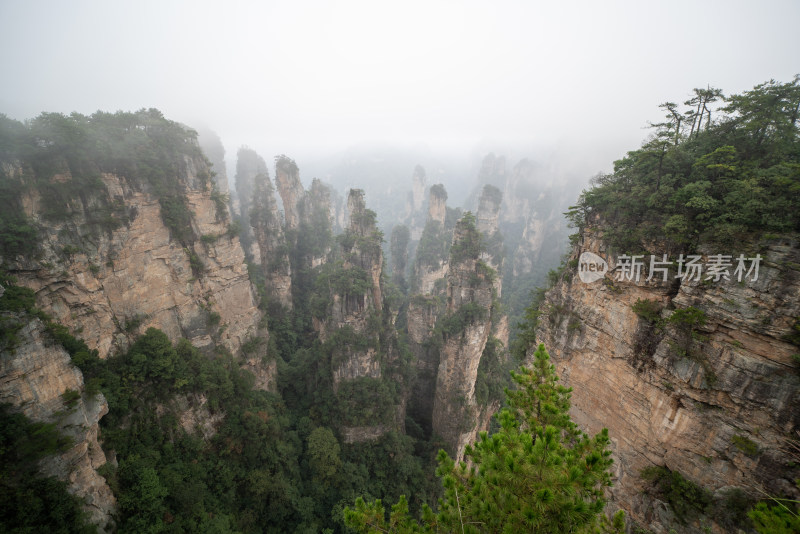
(745, 444)
(793, 336)
(538, 473)
(738, 174)
(649, 310)
(782, 517)
(730, 510)
(18, 235)
(220, 203)
(434, 244)
(177, 218)
(323, 454)
(31, 502)
(439, 191)
(16, 298)
(63, 158)
(454, 324)
(686, 498)
(469, 245)
(235, 228)
(526, 329)
(70, 398)
(493, 373)
(688, 318)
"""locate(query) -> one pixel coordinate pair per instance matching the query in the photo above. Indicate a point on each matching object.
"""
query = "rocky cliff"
(113, 285)
(126, 231)
(695, 375)
(287, 178)
(267, 227)
(358, 333)
(430, 263)
(465, 330)
(35, 376)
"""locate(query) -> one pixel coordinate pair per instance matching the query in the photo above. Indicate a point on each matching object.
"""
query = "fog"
(576, 79)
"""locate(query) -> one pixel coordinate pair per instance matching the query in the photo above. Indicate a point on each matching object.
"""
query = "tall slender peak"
(489, 209)
(248, 165)
(317, 217)
(457, 415)
(493, 170)
(267, 227)
(212, 147)
(418, 180)
(287, 178)
(437, 204)
(398, 248)
(366, 251)
(356, 207)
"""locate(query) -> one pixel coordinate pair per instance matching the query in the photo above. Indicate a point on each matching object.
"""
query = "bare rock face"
(469, 305)
(287, 178)
(115, 285)
(33, 377)
(437, 208)
(356, 364)
(714, 402)
(489, 209)
(422, 314)
(111, 284)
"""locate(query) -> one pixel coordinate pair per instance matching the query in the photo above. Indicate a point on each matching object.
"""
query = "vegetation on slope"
(63, 158)
(538, 473)
(701, 179)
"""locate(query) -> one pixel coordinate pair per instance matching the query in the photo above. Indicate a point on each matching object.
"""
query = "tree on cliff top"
(538, 473)
(737, 175)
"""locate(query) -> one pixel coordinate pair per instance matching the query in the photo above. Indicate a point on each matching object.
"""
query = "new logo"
(591, 267)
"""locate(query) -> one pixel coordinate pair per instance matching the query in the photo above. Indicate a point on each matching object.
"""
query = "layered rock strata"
(713, 395)
(33, 377)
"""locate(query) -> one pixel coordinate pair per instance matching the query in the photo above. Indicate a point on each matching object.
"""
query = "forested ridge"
(703, 176)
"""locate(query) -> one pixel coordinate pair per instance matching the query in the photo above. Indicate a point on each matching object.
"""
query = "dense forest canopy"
(714, 170)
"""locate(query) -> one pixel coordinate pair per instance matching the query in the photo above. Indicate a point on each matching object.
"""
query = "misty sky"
(288, 77)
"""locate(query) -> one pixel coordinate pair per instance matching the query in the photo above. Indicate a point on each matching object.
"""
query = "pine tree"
(538, 473)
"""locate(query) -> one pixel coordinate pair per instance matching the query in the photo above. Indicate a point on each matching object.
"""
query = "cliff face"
(357, 303)
(432, 253)
(34, 376)
(712, 394)
(357, 333)
(466, 329)
(113, 285)
(287, 178)
(437, 209)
